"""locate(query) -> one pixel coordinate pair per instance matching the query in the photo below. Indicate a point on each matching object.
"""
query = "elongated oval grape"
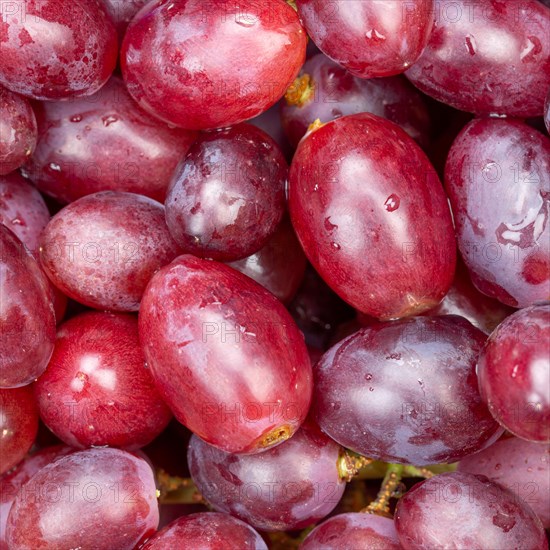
(523, 467)
(406, 391)
(353, 531)
(96, 390)
(506, 164)
(372, 216)
(103, 249)
(459, 510)
(225, 354)
(369, 39)
(487, 57)
(27, 318)
(97, 498)
(288, 487)
(205, 66)
(206, 531)
(514, 373)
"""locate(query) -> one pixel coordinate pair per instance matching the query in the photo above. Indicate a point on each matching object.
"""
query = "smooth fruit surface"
(372, 216)
(497, 176)
(206, 531)
(17, 130)
(204, 66)
(56, 49)
(27, 318)
(114, 490)
(225, 354)
(514, 373)
(97, 390)
(288, 487)
(406, 391)
(465, 511)
(103, 249)
(487, 57)
(228, 196)
(104, 142)
(369, 39)
(18, 425)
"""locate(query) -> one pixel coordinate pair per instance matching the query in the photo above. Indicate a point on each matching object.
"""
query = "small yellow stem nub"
(301, 91)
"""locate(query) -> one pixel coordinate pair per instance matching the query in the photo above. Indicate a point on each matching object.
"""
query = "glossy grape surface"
(288, 487)
(353, 531)
(22, 209)
(103, 249)
(225, 354)
(96, 390)
(514, 373)
(11, 482)
(372, 216)
(521, 466)
(104, 142)
(279, 265)
(201, 66)
(17, 130)
(405, 391)
(228, 196)
(459, 510)
(56, 49)
(18, 425)
(487, 57)
(206, 531)
(505, 164)
(547, 112)
(464, 299)
(122, 12)
(333, 92)
(97, 498)
(369, 39)
(27, 318)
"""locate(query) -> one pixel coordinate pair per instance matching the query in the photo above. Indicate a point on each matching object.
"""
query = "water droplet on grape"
(76, 118)
(336, 246)
(109, 119)
(55, 167)
(330, 226)
(368, 376)
(498, 466)
(471, 44)
(392, 203)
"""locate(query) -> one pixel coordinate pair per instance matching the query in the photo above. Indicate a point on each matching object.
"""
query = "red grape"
(101, 250)
(459, 510)
(18, 425)
(288, 487)
(326, 91)
(372, 216)
(104, 142)
(22, 209)
(279, 265)
(514, 373)
(225, 354)
(97, 498)
(56, 49)
(465, 300)
(96, 390)
(487, 57)
(228, 196)
(406, 391)
(211, 65)
(27, 318)
(18, 130)
(353, 532)
(521, 466)
(369, 39)
(505, 164)
(11, 482)
(206, 531)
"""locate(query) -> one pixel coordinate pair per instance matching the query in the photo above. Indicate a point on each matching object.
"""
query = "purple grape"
(406, 391)
(459, 510)
(287, 487)
(521, 466)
